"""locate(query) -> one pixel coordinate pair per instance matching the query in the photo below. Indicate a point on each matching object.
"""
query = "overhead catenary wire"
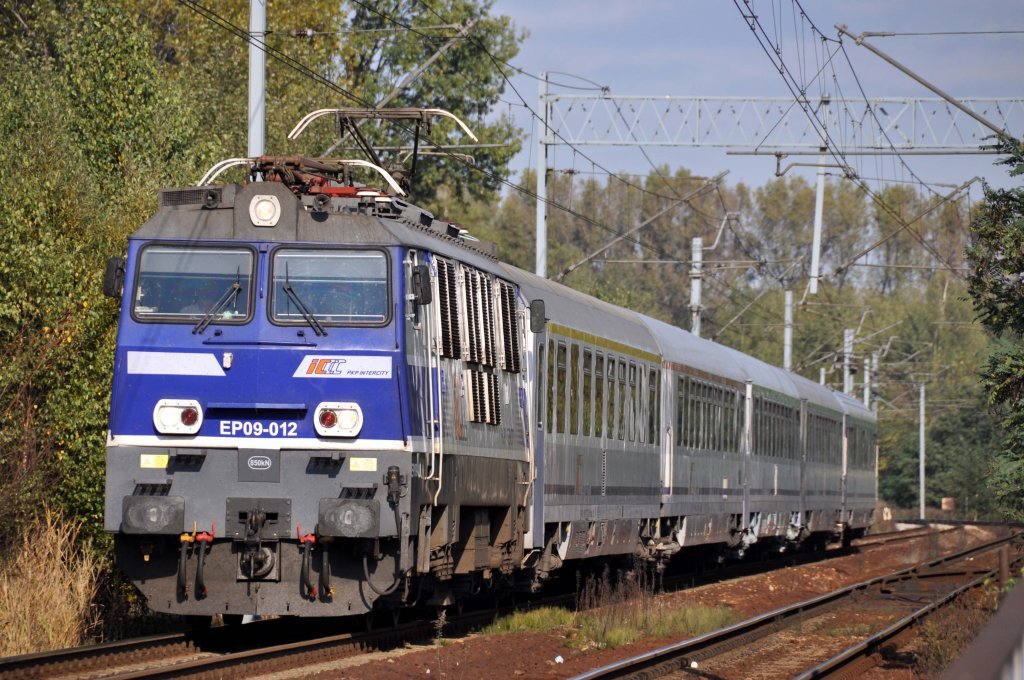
(298, 66)
(334, 87)
(799, 91)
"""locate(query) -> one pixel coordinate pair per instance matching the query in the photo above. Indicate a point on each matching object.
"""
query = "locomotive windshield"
(335, 286)
(188, 283)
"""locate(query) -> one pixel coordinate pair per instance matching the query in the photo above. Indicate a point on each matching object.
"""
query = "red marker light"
(328, 419)
(189, 416)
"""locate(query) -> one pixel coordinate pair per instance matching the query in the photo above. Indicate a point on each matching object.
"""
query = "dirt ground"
(549, 655)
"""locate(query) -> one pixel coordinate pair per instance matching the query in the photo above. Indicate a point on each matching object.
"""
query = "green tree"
(961, 446)
(363, 50)
(91, 127)
(996, 256)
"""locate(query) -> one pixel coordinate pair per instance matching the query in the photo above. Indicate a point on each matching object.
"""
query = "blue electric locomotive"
(326, 400)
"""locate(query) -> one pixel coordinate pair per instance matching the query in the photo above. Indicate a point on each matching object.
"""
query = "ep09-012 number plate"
(257, 428)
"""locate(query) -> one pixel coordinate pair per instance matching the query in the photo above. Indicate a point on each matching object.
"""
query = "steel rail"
(289, 653)
(680, 650)
(108, 655)
(41, 664)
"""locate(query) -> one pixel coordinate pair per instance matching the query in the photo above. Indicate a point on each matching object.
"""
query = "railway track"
(938, 581)
(270, 646)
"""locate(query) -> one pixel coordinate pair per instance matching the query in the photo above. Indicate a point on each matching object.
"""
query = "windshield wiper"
(293, 296)
(225, 299)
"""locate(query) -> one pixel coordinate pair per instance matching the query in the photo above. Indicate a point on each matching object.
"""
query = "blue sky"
(705, 48)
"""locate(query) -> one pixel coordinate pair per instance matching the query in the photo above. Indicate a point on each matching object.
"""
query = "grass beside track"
(615, 612)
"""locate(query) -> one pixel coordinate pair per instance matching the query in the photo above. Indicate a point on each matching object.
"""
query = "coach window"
(730, 421)
(560, 389)
(629, 421)
(599, 419)
(705, 418)
(612, 397)
(623, 404)
(539, 392)
(653, 406)
(716, 418)
(794, 433)
(574, 390)
(185, 284)
(680, 402)
(588, 395)
(643, 406)
(551, 387)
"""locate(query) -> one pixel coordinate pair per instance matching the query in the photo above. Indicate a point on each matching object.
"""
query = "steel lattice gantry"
(772, 124)
(763, 125)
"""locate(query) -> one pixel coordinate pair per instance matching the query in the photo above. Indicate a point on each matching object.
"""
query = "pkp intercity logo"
(326, 366)
(320, 366)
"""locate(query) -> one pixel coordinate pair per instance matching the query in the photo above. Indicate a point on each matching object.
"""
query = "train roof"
(579, 311)
(395, 222)
(675, 345)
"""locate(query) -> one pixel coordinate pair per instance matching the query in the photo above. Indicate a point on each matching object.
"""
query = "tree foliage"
(997, 289)
(106, 102)
(91, 129)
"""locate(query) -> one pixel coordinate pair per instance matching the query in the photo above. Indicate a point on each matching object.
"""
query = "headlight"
(264, 210)
(177, 416)
(338, 419)
(348, 518)
(153, 514)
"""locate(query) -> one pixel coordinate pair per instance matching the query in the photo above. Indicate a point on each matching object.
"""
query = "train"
(326, 401)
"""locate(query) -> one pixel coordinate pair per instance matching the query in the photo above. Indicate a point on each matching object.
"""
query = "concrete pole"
(874, 377)
(821, 375)
(920, 436)
(819, 207)
(696, 278)
(257, 75)
(787, 334)
(542, 177)
(867, 381)
(847, 361)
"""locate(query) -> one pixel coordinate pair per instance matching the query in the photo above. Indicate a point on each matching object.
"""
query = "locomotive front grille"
(175, 197)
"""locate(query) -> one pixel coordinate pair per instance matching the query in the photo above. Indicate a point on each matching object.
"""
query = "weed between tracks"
(944, 636)
(615, 612)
